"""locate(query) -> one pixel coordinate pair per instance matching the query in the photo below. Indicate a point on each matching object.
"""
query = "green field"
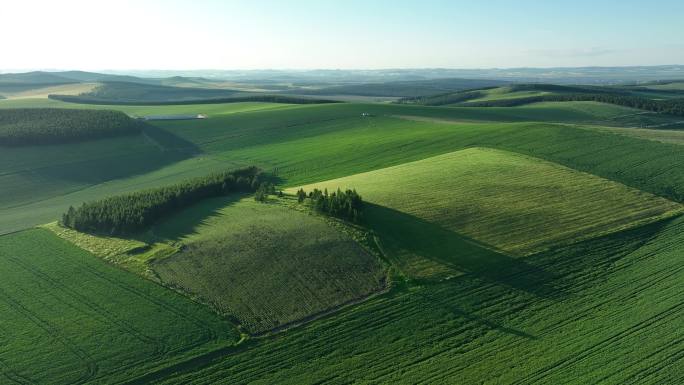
(264, 265)
(220, 251)
(607, 310)
(512, 203)
(68, 317)
(304, 144)
(531, 244)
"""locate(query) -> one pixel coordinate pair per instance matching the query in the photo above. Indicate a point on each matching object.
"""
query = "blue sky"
(212, 34)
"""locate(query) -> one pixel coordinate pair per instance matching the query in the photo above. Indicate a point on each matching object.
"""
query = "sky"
(350, 34)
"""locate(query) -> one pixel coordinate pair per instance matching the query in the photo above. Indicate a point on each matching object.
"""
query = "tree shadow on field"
(435, 243)
(158, 148)
(186, 221)
(168, 141)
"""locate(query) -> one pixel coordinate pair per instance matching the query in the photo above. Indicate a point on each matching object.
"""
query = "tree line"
(342, 204)
(28, 126)
(668, 106)
(131, 213)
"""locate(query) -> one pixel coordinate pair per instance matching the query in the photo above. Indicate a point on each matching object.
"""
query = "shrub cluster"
(130, 213)
(27, 126)
(342, 204)
(265, 189)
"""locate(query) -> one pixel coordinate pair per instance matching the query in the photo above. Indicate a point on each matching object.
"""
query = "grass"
(100, 245)
(131, 254)
(305, 144)
(606, 310)
(264, 265)
(70, 318)
(599, 310)
(510, 202)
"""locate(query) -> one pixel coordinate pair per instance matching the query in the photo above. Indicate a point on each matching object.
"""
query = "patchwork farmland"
(532, 243)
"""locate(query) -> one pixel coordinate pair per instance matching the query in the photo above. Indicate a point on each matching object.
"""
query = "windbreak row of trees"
(131, 213)
(342, 204)
(28, 126)
(669, 106)
(82, 99)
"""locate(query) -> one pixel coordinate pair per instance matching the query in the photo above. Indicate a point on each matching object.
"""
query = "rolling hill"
(510, 203)
(310, 143)
(527, 244)
(411, 88)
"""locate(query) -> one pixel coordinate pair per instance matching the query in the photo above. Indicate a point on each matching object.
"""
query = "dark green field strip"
(70, 318)
(606, 310)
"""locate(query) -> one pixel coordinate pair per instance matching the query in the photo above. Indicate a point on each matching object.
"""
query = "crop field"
(531, 244)
(305, 144)
(513, 203)
(313, 204)
(265, 265)
(68, 317)
(606, 310)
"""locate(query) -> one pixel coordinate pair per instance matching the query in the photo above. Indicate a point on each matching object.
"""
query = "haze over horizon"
(235, 35)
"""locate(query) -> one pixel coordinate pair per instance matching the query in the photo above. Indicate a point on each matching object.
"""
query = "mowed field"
(69, 318)
(510, 202)
(265, 265)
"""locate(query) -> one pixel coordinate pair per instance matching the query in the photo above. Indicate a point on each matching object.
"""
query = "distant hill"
(65, 77)
(137, 92)
(35, 77)
(92, 77)
(668, 101)
(403, 88)
(562, 75)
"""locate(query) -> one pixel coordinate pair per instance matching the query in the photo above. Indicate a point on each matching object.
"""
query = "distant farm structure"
(173, 117)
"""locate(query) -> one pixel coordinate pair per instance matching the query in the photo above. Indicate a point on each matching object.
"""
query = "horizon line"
(42, 69)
